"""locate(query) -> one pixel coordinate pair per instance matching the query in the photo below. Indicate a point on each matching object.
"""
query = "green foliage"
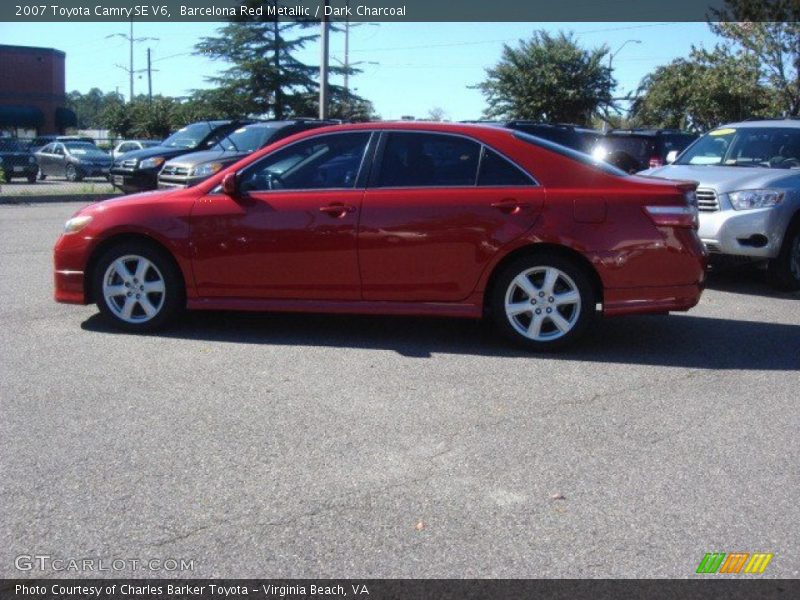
(702, 91)
(770, 33)
(264, 73)
(90, 107)
(549, 78)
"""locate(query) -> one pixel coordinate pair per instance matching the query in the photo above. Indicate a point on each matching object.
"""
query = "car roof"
(776, 123)
(647, 132)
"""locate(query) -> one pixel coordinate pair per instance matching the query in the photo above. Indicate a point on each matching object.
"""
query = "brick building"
(32, 92)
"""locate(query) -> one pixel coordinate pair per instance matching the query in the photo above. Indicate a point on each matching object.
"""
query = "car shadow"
(675, 340)
(747, 278)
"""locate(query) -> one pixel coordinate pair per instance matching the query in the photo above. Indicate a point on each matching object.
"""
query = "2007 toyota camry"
(395, 218)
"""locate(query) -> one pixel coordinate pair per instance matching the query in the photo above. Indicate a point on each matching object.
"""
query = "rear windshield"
(641, 148)
(580, 157)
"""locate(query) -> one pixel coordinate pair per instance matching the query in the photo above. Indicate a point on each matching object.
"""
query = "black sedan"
(73, 160)
(16, 160)
(137, 171)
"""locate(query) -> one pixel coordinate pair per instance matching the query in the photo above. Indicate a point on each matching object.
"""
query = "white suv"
(748, 193)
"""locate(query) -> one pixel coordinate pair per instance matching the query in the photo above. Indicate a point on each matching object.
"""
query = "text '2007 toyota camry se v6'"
(396, 218)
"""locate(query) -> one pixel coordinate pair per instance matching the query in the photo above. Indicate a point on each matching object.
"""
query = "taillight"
(655, 161)
(673, 216)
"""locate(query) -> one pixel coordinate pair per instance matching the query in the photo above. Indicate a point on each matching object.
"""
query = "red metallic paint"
(401, 251)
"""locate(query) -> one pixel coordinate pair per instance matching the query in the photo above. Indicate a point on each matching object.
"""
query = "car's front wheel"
(543, 301)
(138, 287)
(784, 271)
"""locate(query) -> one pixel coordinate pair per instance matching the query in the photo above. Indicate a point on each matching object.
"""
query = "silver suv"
(748, 193)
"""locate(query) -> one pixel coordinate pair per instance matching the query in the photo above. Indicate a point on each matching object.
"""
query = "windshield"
(11, 146)
(573, 154)
(246, 139)
(767, 147)
(188, 137)
(83, 148)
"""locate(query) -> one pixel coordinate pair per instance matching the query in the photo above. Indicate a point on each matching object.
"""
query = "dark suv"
(634, 150)
(190, 169)
(137, 171)
(16, 160)
(576, 137)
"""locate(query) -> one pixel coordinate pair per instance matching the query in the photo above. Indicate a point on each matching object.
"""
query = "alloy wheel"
(543, 303)
(134, 289)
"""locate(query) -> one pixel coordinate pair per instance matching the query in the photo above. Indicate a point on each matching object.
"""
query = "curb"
(53, 198)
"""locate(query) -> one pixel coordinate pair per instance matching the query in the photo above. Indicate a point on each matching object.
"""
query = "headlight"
(151, 163)
(75, 224)
(31, 160)
(748, 199)
(207, 169)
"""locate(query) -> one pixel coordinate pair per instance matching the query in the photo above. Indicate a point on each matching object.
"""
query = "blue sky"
(421, 65)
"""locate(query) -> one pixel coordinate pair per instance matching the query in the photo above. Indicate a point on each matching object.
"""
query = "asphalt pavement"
(335, 446)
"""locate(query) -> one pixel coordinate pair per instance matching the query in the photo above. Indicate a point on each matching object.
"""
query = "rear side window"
(423, 159)
(497, 171)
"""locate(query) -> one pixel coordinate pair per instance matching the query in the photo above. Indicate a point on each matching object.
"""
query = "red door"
(437, 210)
(292, 234)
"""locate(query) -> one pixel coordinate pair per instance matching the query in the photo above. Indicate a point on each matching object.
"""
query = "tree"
(549, 78)
(89, 107)
(437, 113)
(264, 74)
(702, 91)
(769, 32)
(343, 105)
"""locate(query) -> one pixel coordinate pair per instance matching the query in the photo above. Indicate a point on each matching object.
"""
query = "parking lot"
(334, 446)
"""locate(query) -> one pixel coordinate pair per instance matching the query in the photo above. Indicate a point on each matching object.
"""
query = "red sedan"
(395, 218)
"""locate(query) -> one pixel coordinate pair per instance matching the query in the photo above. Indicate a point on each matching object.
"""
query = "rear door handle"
(337, 210)
(509, 205)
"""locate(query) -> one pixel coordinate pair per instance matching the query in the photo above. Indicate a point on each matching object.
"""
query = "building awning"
(65, 118)
(12, 115)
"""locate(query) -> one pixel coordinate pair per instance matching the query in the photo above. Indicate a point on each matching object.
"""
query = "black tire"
(31, 178)
(72, 173)
(783, 272)
(578, 316)
(42, 176)
(169, 305)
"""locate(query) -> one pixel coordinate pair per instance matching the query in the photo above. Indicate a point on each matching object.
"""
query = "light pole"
(611, 61)
(323, 64)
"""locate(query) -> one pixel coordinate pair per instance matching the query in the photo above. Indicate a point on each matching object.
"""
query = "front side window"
(324, 162)
(497, 171)
(428, 160)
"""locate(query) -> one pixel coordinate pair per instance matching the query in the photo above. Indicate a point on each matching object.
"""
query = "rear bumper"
(661, 299)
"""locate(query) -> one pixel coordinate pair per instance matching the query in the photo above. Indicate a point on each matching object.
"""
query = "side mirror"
(671, 156)
(230, 185)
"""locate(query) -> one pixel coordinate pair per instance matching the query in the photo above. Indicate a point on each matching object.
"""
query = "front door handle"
(509, 206)
(337, 210)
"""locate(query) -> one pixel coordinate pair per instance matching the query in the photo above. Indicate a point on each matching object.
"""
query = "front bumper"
(70, 255)
(26, 170)
(131, 181)
(756, 233)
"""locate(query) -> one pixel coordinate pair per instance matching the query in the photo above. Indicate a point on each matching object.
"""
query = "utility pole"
(610, 62)
(131, 40)
(149, 78)
(323, 64)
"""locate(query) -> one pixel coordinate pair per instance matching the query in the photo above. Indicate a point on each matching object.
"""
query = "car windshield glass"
(11, 146)
(766, 147)
(83, 148)
(246, 139)
(573, 154)
(188, 137)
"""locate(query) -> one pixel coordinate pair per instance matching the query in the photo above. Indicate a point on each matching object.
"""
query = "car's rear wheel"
(543, 301)
(72, 173)
(784, 271)
(137, 287)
